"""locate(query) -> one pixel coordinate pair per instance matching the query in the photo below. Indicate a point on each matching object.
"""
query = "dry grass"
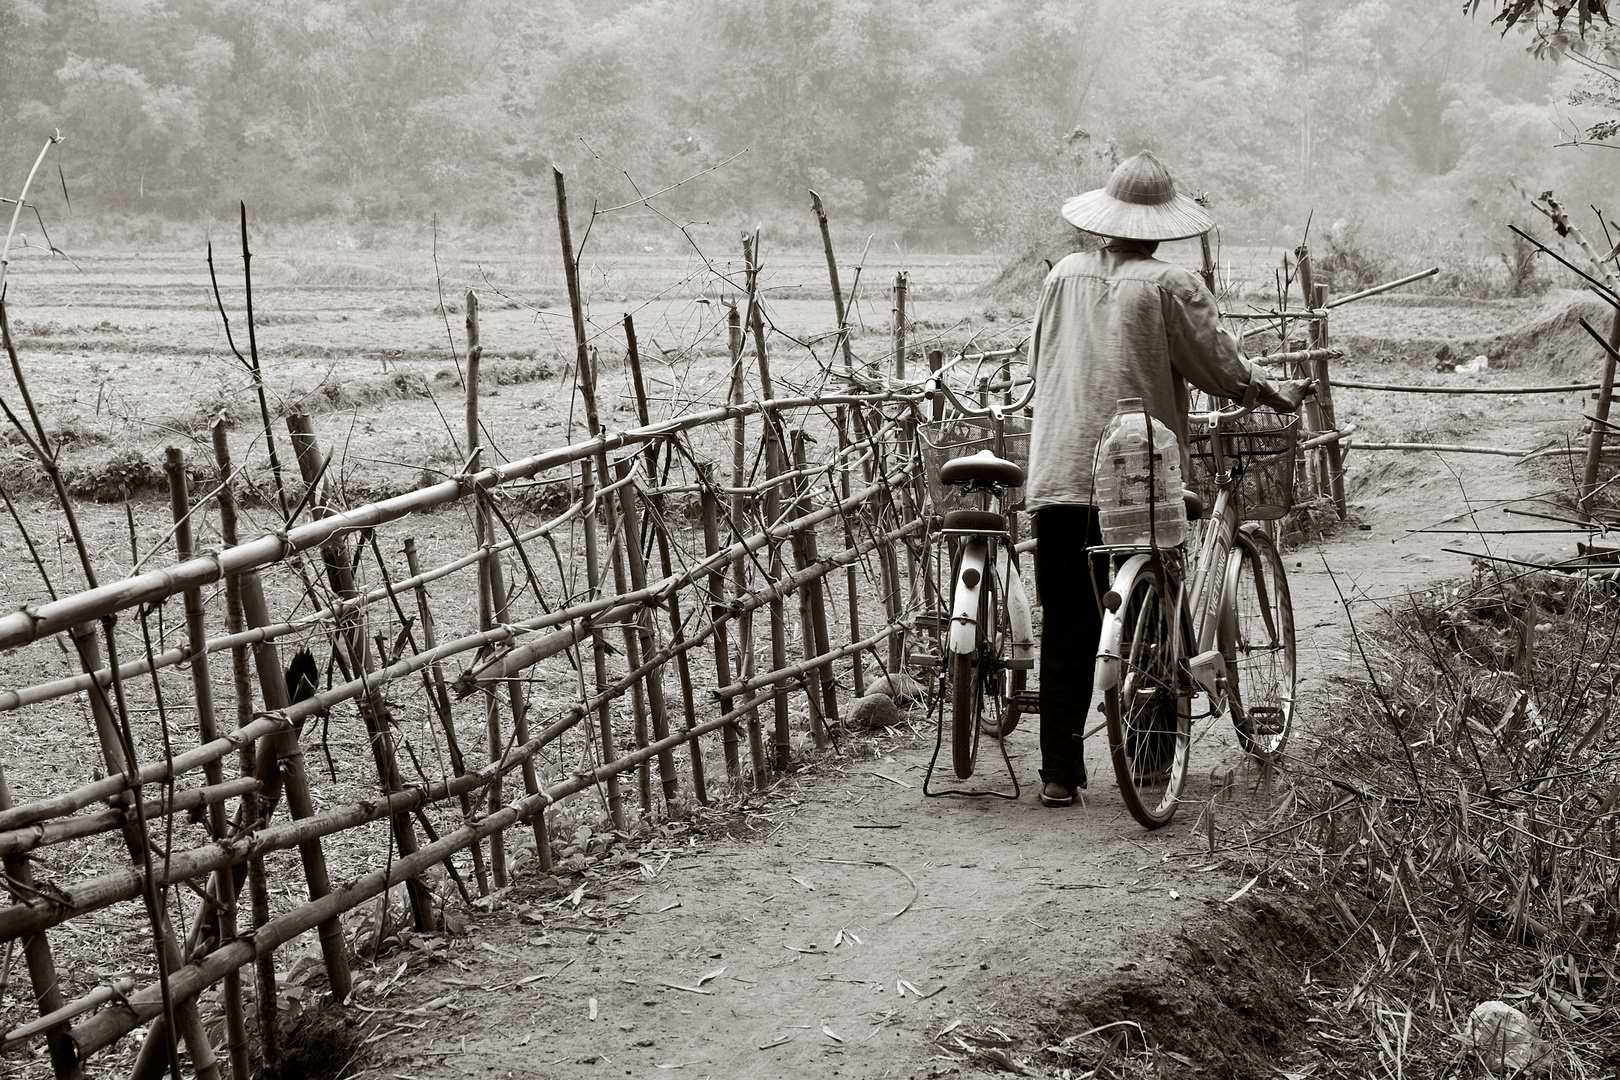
(1459, 825)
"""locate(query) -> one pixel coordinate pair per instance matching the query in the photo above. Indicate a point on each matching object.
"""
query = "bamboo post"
(441, 700)
(1332, 452)
(517, 701)
(908, 431)
(619, 543)
(775, 465)
(252, 809)
(643, 629)
(783, 738)
(593, 576)
(208, 730)
(851, 574)
(1594, 443)
(1208, 270)
(295, 782)
(493, 603)
(717, 593)
(373, 710)
(1316, 421)
(857, 418)
(677, 629)
(812, 609)
(739, 515)
(902, 287)
(41, 965)
(486, 590)
(185, 1017)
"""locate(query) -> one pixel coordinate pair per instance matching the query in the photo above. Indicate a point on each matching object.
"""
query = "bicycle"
(985, 646)
(1230, 634)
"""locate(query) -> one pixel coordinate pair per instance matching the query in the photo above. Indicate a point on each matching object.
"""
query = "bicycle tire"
(1257, 640)
(967, 677)
(1006, 682)
(1149, 721)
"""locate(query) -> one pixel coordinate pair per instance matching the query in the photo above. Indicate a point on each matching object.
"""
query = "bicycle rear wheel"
(972, 689)
(1149, 722)
(1257, 639)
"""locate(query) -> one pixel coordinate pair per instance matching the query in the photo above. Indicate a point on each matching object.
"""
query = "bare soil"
(838, 924)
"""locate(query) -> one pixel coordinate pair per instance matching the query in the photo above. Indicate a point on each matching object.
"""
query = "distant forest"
(966, 119)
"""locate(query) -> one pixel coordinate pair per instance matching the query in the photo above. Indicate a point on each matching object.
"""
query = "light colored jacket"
(1118, 323)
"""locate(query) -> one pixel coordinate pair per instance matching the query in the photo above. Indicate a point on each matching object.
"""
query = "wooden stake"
(677, 629)
(252, 811)
(851, 575)
(289, 755)
(372, 708)
(440, 696)
(739, 515)
(41, 965)
(717, 594)
(593, 575)
(901, 288)
(801, 559)
(643, 629)
(1594, 444)
(202, 686)
(1332, 452)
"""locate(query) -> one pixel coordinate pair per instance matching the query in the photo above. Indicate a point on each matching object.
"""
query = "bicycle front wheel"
(1257, 639)
(1149, 722)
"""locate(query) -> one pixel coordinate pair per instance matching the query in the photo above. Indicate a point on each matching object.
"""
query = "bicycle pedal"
(922, 660)
(929, 621)
(1019, 664)
(1028, 701)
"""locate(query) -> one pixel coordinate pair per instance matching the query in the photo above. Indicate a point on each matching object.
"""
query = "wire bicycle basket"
(1259, 448)
(940, 441)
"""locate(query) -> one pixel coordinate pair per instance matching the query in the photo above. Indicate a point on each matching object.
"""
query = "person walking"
(1111, 324)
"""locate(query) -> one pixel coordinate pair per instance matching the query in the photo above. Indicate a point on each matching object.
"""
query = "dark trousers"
(1070, 585)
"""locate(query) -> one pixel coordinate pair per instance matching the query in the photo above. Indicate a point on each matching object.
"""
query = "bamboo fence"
(694, 533)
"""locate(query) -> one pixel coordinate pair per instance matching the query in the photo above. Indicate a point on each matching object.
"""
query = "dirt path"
(1011, 917)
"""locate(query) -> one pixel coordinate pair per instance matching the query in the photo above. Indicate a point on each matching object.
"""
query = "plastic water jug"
(1138, 478)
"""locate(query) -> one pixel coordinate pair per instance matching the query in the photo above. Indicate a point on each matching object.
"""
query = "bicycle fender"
(965, 602)
(1018, 614)
(1113, 628)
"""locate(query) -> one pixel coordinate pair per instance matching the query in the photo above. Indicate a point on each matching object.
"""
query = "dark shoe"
(1056, 794)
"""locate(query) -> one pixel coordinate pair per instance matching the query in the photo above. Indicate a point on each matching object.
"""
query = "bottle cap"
(1128, 404)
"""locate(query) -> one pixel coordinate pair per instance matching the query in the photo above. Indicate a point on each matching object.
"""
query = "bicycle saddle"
(982, 468)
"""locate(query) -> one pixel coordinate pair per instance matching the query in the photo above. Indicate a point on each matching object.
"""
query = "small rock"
(903, 689)
(1508, 1041)
(874, 711)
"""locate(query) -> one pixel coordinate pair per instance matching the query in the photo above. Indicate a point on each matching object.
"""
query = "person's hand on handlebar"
(1290, 394)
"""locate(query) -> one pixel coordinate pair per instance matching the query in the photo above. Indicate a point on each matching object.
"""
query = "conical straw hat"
(1139, 203)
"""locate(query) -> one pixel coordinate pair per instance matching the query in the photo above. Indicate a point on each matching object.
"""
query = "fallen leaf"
(778, 1042)
(688, 989)
(1235, 897)
(891, 779)
(805, 883)
(593, 1008)
(831, 1034)
(715, 974)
